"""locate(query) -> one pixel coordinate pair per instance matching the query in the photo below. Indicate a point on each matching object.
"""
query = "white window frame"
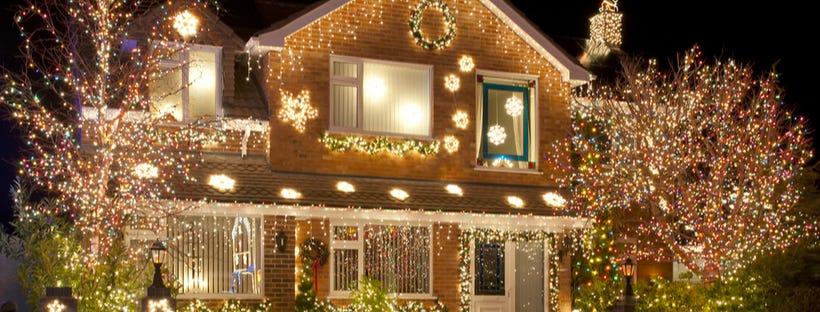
(359, 245)
(534, 119)
(260, 267)
(359, 84)
(184, 63)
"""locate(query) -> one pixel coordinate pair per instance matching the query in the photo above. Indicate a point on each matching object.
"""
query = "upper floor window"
(379, 97)
(506, 121)
(189, 85)
(397, 256)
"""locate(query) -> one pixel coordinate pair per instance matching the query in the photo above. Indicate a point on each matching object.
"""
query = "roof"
(256, 183)
(274, 36)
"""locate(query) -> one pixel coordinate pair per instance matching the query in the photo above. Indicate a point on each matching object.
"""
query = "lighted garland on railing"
(230, 305)
(379, 145)
(465, 261)
(415, 24)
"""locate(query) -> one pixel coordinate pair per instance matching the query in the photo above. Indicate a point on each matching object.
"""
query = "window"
(506, 122)
(216, 255)
(397, 256)
(189, 86)
(489, 269)
(380, 97)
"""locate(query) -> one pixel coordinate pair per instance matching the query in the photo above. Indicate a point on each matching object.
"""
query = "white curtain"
(396, 99)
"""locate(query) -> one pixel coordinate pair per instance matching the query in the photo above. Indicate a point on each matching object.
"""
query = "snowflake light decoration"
(297, 110)
(514, 106)
(461, 119)
(497, 134)
(55, 306)
(450, 144)
(186, 23)
(466, 63)
(452, 82)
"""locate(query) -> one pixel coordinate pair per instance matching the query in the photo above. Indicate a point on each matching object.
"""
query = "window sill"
(509, 170)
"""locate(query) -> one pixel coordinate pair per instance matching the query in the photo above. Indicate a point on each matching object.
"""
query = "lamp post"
(627, 303)
(159, 297)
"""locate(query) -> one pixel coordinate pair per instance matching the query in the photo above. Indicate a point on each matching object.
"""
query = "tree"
(699, 163)
(82, 99)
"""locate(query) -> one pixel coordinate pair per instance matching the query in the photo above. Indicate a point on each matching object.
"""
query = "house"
(404, 136)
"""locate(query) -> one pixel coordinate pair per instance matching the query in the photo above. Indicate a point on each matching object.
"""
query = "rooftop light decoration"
(221, 182)
(290, 193)
(554, 200)
(186, 24)
(515, 201)
(454, 189)
(346, 187)
(606, 25)
(399, 194)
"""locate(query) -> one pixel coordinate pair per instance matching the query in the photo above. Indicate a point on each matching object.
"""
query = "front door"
(508, 277)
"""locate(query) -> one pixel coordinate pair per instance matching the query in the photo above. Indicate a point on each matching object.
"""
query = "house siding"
(379, 30)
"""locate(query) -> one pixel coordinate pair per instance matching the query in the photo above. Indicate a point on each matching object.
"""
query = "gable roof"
(274, 36)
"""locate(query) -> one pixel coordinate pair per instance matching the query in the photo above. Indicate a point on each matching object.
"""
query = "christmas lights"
(379, 145)
(297, 110)
(461, 119)
(449, 20)
(450, 144)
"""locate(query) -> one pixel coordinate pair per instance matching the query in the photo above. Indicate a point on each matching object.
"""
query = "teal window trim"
(484, 127)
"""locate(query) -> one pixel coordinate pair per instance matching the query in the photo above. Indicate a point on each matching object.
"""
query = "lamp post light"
(627, 303)
(159, 297)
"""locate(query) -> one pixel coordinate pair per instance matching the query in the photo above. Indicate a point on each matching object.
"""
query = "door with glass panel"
(509, 276)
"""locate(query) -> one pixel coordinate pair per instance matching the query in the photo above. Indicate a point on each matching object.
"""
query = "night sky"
(762, 34)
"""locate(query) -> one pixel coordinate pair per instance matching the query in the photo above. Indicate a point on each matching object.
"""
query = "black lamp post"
(627, 304)
(159, 297)
(158, 252)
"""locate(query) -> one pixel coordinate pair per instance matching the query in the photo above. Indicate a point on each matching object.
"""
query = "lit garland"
(297, 110)
(379, 145)
(465, 261)
(449, 20)
(231, 305)
(703, 164)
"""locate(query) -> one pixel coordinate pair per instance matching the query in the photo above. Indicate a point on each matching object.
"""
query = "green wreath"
(314, 252)
(415, 23)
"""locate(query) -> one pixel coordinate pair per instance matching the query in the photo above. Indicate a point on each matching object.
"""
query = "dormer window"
(189, 86)
(379, 97)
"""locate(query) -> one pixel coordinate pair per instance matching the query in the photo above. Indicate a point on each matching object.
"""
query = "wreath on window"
(314, 252)
(415, 24)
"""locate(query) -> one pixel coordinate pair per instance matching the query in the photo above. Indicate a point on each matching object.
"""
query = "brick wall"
(379, 30)
(279, 266)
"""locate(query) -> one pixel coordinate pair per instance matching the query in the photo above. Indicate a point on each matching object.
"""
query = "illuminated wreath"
(314, 252)
(415, 23)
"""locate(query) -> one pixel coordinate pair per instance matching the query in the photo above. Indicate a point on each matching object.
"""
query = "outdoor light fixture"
(281, 241)
(158, 252)
(627, 304)
(159, 297)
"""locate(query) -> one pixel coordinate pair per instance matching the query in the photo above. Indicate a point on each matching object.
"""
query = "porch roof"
(256, 183)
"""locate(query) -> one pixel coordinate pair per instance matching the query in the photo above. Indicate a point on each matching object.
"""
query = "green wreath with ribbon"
(314, 252)
(415, 24)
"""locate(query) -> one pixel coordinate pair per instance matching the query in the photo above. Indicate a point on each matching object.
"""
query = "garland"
(314, 254)
(378, 145)
(415, 24)
(231, 305)
(465, 261)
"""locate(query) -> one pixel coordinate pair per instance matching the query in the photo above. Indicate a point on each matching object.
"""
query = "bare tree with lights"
(93, 142)
(697, 164)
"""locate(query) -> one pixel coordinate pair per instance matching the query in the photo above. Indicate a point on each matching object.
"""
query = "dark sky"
(762, 34)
